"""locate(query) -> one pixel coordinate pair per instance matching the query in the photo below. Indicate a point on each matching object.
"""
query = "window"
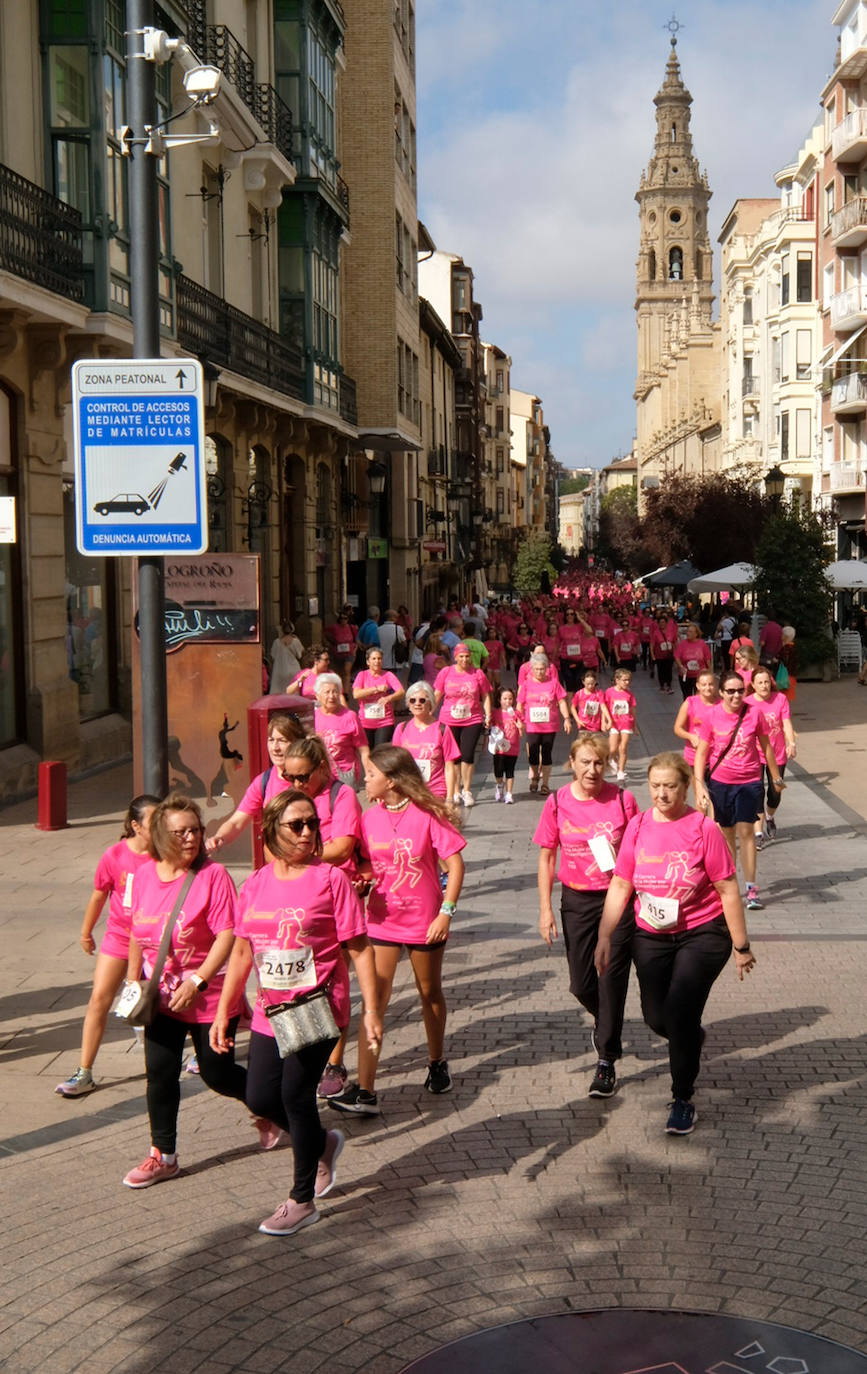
(829, 204)
(90, 622)
(850, 187)
(407, 383)
(501, 461)
(803, 354)
(404, 27)
(212, 229)
(803, 437)
(785, 356)
(11, 694)
(651, 265)
(749, 423)
(784, 435)
(776, 359)
(804, 288)
(501, 501)
(827, 285)
(404, 138)
(748, 305)
(675, 264)
(784, 289)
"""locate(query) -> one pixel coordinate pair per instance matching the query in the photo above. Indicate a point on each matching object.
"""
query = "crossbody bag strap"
(163, 951)
(729, 743)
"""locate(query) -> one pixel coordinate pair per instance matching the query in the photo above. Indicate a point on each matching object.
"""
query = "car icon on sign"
(127, 501)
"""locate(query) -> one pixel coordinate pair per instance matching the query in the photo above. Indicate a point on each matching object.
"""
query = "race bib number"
(603, 852)
(374, 710)
(126, 901)
(591, 708)
(286, 970)
(620, 708)
(573, 650)
(692, 665)
(664, 645)
(600, 634)
(424, 767)
(344, 648)
(540, 715)
(461, 711)
(659, 912)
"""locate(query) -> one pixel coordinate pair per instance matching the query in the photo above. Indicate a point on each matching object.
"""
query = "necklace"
(399, 807)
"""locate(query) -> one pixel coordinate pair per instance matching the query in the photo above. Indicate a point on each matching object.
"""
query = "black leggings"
(540, 747)
(381, 735)
(664, 669)
(466, 738)
(164, 1053)
(774, 797)
(687, 686)
(605, 997)
(504, 766)
(676, 974)
(284, 1091)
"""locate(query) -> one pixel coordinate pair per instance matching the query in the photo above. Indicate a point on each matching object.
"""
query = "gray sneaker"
(80, 1083)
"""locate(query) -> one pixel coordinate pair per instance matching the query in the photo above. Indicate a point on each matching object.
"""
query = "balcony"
(219, 334)
(849, 225)
(348, 400)
(267, 161)
(849, 394)
(846, 477)
(849, 139)
(853, 55)
(749, 387)
(849, 308)
(40, 237)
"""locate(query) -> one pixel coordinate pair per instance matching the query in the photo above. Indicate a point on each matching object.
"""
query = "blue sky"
(534, 123)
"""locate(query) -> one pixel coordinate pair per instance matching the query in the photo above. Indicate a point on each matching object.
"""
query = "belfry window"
(674, 133)
(675, 264)
(651, 265)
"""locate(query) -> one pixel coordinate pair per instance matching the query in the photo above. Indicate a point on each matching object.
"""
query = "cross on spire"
(674, 27)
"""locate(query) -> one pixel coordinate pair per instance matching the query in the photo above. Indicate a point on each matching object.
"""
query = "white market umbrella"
(847, 575)
(729, 579)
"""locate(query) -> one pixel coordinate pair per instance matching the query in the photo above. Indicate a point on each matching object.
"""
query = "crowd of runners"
(401, 713)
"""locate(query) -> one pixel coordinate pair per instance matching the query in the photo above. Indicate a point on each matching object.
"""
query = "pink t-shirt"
(569, 637)
(627, 644)
(570, 823)
(507, 721)
(311, 916)
(114, 875)
(621, 708)
(680, 859)
(343, 819)
(342, 734)
(589, 708)
(526, 669)
(601, 624)
(209, 908)
(496, 653)
(253, 801)
(430, 748)
(692, 656)
(343, 639)
(403, 847)
(434, 664)
(462, 695)
(774, 711)
(647, 624)
(305, 683)
(743, 762)
(697, 712)
(589, 650)
(372, 712)
(537, 705)
(662, 641)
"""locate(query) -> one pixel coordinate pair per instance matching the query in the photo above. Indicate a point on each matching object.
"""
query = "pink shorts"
(115, 941)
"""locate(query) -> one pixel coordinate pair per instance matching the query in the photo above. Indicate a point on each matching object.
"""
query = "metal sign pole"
(144, 264)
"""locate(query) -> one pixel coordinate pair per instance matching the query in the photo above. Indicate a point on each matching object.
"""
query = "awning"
(386, 441)
(835, 357)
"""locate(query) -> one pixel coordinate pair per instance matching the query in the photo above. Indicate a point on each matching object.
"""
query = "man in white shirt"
(390, 634)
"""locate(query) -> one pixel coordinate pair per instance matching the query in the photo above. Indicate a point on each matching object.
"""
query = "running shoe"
(771, 827)
(613, 766)
(594, 1041)
(498, 793)
(753, 902)
(438, 1080)
(682, 1117)
(192, 1065)
(509, 799)
(326, 1173)
(621, 776)
(468, 798)
(270, 1134)
(604, 1080)
(152, 1170)
(760, 841)
(357, 1100)
(332, 1082)
(80, 1083)
(534, 784)
(289, 1218)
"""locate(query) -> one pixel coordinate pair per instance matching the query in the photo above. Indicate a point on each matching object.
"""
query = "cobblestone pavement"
(513, 1196)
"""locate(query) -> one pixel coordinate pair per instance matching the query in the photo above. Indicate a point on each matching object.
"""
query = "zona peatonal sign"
(139, 456)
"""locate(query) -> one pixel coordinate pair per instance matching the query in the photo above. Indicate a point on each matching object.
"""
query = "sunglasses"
(416, 701)
(733, 691)
(187, 830)
(297, 777)
(310, 823)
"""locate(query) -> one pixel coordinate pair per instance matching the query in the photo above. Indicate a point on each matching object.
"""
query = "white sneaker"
(509, 799)
(456, 799)
(613, 766)
(621, 776)
(468, 798)
(498, 793)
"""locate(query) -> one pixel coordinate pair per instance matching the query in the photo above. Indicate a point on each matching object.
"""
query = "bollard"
(52, 796)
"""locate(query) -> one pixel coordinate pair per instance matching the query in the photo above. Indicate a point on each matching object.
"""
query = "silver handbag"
(304, 1021)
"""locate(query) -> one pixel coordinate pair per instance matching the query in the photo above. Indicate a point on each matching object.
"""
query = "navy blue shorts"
(735, 801)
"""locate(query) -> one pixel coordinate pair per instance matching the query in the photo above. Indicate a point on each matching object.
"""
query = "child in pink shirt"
(505, 718)
(621, 707)
(588, 706)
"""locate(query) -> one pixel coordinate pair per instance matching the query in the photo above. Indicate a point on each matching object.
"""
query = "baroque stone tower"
(675, 262)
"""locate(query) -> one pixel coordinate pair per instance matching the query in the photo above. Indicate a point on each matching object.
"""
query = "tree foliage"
(714, 521)
(533, 564)
(570, 485)
(791, 557)
(620, 534)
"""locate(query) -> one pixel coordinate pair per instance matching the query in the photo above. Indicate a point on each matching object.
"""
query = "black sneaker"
(604, 1080)
(438, 1080)
(357, 1100)
(681, 1117)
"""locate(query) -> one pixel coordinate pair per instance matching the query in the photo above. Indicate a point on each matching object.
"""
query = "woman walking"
(776, 712)
(463, 696)
(541, 700)
(377, 692)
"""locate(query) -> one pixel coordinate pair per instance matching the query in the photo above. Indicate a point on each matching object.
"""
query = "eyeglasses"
(310, 823)
(297, 777)
(733, 691)
(187, 830)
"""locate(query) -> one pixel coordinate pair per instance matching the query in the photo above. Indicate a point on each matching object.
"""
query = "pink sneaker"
(326, 1174)
(270, 1134)
(152, 1170)
(289, 1218)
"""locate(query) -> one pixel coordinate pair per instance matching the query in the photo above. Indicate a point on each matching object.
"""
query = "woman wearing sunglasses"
(297, 917)
(733, 743)
(283, 730)
(191, 980)
(432, 745)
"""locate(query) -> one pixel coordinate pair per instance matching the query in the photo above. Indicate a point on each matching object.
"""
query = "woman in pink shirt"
(432, 745)
(663, 638)
(283, 730)
(569, 649)
(541, 706)
(191, 980)
(314, 661)
(463, 695)
(675, 863)
(692, 656)
(586, 821)
(376, 692)
(776, 712)
(297, 920)
(341, 639)
(113, 881)
(694, 711)
(339, 729)
(407, 834)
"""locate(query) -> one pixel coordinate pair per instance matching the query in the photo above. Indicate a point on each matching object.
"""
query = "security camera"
(202, 84)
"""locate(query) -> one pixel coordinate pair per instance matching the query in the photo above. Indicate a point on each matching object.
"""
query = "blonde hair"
(161, 843)
(669, 759)
(591, 739)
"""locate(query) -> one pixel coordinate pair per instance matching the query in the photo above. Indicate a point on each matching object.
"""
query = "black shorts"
(406, 944)
(466, 738)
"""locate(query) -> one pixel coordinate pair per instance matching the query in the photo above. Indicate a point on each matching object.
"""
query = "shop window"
(11, 658)
(90, 622)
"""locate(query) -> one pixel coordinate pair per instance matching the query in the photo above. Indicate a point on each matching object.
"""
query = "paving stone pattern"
(513, 1196)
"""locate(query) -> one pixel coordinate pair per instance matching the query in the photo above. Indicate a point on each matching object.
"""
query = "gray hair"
(539, 660)
(425, 688)
(327, 680)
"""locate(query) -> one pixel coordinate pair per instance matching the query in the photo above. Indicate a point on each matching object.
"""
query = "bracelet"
(200, 982)
(448, 908)
(742, 949)
(369, 1011)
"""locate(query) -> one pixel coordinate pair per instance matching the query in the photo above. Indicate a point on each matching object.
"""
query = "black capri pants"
(164, 1053)
(466, 738)
(664, 670)
(604, 998)
(504, 766)
(284, 1091)
(774, 797)
(381, 735)
(540, 748)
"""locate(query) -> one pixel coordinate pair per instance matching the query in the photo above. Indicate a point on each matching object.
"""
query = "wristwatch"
(742, 949)
(200, 982)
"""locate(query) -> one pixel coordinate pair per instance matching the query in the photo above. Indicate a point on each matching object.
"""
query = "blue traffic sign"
(140, 484)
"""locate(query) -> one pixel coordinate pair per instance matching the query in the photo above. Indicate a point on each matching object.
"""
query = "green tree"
(620, 534)
(713, 520)
(791, 557)
(532, 562)
(570, 485)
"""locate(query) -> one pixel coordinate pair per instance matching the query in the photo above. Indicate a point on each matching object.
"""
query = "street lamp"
(376, 475)
(775, 482)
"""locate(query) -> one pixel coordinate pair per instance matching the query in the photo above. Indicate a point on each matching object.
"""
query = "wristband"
(200, 982)
(448, 908)
(742, 949)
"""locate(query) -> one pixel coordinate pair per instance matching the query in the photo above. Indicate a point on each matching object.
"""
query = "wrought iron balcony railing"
(40, 236)
(219, 334)
(348, 400)
(219, 46)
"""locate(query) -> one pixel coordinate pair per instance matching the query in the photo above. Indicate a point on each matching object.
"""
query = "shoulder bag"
(139, 1002)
